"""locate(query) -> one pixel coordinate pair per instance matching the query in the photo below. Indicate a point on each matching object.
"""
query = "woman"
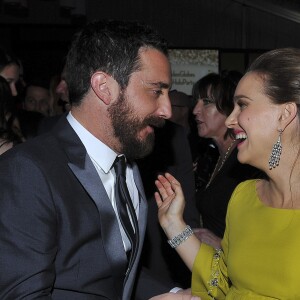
(8, 138)
(214, 95)
(259, 257)
(10, 70)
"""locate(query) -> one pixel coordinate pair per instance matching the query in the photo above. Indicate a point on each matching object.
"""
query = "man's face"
(37, 99)
(143, 105)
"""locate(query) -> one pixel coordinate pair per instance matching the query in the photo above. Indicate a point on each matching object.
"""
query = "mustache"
(154, 122)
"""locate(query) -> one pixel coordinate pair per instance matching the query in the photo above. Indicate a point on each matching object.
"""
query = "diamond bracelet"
(180, 238)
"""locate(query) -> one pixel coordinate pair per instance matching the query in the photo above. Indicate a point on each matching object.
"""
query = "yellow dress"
(261, 253)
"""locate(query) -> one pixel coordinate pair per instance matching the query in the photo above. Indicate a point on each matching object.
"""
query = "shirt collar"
(98, 151)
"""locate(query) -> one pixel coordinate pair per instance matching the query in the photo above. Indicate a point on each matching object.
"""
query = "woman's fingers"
(168, 189)
(165, 186)
(158, 199)
(161, 189)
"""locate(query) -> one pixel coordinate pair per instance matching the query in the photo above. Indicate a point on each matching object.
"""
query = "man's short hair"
(108, 46)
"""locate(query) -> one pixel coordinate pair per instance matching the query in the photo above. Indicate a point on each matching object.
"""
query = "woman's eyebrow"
(238, 97)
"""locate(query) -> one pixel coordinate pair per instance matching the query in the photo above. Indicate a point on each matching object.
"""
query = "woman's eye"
(241, 104)
(207, 101)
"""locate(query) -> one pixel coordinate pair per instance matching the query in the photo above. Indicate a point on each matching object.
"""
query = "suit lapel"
(83, 168)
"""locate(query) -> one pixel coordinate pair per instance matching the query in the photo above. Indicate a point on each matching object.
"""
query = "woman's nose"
(198, 107)
(231, 120)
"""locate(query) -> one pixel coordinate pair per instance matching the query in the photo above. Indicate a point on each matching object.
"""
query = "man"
(60, 232)
(60, 102)
(182, 108)
(37, 98)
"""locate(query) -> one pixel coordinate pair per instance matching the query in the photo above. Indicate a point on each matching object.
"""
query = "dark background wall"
(40, 34)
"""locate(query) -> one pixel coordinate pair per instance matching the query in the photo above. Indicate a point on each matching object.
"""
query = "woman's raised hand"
(170, 202)
(169, 199)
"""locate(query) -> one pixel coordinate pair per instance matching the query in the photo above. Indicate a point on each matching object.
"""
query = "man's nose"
(165, 109)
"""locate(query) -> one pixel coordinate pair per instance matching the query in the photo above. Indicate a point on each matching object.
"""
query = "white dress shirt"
(103, 158)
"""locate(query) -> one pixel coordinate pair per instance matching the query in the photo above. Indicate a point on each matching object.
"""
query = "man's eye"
(158, 92)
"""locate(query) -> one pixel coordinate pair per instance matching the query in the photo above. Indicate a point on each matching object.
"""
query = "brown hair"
(280, 70)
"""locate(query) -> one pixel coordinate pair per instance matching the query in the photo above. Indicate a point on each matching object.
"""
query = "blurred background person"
(8, 137)
(63, 92)
(59, 101)
(10, 70)
(182, 107)
(59, 94)
(182, 114)
(37, 97)
(29, 122)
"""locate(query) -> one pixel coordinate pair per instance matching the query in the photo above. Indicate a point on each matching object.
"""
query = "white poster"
(189, 65)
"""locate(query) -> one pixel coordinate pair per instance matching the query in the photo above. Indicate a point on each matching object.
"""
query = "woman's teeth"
(241, 136)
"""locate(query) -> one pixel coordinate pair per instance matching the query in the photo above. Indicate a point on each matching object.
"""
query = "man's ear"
(101, 87)
(289, 112)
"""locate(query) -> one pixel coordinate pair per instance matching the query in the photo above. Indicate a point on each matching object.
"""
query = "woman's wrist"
(180, 238)
(174, 227)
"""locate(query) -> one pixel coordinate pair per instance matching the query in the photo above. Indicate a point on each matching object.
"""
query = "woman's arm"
(170, 202)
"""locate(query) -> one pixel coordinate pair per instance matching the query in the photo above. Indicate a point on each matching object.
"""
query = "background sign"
(189, 65)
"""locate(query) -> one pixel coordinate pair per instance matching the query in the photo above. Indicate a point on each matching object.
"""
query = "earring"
(276, 152)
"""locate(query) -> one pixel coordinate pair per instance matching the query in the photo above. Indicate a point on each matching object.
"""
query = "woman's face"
(254, 121)
(210, 122)
(11, 73)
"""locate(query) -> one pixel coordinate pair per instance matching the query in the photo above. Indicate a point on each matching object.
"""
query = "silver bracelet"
(180, 238)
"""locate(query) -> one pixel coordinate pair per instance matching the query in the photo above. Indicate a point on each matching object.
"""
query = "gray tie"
(123, 201)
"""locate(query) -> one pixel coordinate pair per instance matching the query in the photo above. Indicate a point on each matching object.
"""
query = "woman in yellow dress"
(259, 255)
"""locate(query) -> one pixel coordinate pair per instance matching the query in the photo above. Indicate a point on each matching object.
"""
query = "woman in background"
(8, 137)
(213, 94)
(10, 70)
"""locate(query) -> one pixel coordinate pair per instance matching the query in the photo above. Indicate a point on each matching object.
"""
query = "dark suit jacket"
(59, 236)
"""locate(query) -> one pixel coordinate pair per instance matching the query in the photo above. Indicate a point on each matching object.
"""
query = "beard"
(127, 125)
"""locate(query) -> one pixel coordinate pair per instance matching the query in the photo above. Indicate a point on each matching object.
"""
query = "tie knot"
(120, 166)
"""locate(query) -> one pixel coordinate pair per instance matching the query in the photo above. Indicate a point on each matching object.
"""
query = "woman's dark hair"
(6, 100)
(280, 70)
(7, 59)
(109, 46)
(221, 87)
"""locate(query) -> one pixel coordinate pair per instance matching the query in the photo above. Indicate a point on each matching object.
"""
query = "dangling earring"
(276, 152)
